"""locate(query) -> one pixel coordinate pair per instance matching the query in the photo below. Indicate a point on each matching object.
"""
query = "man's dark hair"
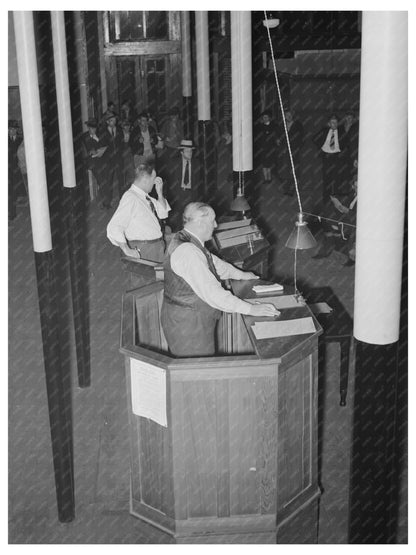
(144, 169)
(143, 115)
(266, 113)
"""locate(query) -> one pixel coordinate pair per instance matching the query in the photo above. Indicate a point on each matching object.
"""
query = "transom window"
(136, 26)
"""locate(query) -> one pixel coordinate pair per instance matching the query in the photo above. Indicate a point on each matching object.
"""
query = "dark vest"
(177, 291)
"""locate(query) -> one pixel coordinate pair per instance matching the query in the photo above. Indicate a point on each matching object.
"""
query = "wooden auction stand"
(237, 461)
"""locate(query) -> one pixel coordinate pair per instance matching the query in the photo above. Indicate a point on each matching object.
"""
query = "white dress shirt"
(147, 147)
(326, 148)
(190, 263)
(134, 219)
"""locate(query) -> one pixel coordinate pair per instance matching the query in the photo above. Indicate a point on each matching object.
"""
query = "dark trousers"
(330, 175)
(336, 175)
(190, 332)
(150, 250)
(111, 171)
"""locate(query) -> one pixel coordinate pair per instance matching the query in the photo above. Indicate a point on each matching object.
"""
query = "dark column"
(57, 373)
(374, 481)
(58, 387)
(79, 291)
(74, 219)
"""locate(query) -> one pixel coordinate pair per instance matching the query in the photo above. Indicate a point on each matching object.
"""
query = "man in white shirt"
(135, 225)
(194, 297)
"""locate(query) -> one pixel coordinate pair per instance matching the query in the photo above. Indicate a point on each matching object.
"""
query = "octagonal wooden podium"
(223, 449)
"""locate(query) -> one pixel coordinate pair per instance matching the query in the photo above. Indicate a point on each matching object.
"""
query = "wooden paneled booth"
(223, 449)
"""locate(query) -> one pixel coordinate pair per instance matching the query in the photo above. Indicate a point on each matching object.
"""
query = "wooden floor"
(100, 412)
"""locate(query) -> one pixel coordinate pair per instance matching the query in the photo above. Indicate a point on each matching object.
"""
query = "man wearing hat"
(184, 183)
(111, 165)
(91, 149)
(15, 182)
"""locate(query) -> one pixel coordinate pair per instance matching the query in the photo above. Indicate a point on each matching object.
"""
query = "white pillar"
(381, 177)
(241, 82)
(32, 130)
(82, 68)
(62, 94)
(186, 55)
(103, 39)
(202, 66)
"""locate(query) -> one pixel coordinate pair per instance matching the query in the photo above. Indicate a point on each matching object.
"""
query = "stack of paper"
(267, 288)
(284, 301)
(268, 330)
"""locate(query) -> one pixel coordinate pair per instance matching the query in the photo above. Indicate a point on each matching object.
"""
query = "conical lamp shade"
(301, 238)
(240, 204)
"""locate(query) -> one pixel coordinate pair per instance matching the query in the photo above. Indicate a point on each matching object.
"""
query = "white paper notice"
(299, 326)
(148, 391)
(320, 308)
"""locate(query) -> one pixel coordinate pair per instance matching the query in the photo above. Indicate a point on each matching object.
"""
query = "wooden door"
(146, 80)
(155, 73)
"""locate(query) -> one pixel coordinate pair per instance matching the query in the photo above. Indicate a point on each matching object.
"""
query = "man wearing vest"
(135, 225)
(194, 297)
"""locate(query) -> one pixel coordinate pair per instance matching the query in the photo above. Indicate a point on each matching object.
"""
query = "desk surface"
(337, 323)
(276, 346)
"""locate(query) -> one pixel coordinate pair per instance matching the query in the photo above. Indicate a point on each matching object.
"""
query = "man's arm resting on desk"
(228, 271)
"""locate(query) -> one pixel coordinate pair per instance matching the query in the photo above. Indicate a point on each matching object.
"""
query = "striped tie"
(332, 141)
(211, 264)
(152, 207)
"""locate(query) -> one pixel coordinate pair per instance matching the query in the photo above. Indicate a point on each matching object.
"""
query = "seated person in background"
(135, 226)
(193, 295)
(342, 209)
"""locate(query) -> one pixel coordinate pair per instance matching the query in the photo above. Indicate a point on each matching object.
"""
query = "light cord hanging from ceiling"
(283, 115)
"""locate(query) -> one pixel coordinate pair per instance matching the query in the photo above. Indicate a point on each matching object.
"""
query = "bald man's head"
(199, 218)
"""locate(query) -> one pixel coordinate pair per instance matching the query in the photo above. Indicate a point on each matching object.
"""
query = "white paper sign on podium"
(148, 391)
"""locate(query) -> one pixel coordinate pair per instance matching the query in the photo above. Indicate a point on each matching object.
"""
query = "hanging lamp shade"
(240, 204)
(301, 238)
(271, 22)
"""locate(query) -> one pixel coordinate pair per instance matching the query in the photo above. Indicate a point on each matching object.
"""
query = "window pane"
(156, 86)
(156, 25)
(126, 26)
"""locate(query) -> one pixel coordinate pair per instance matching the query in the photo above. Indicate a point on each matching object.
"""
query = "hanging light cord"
(329, 219)
(295, 263)
(283, 115)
